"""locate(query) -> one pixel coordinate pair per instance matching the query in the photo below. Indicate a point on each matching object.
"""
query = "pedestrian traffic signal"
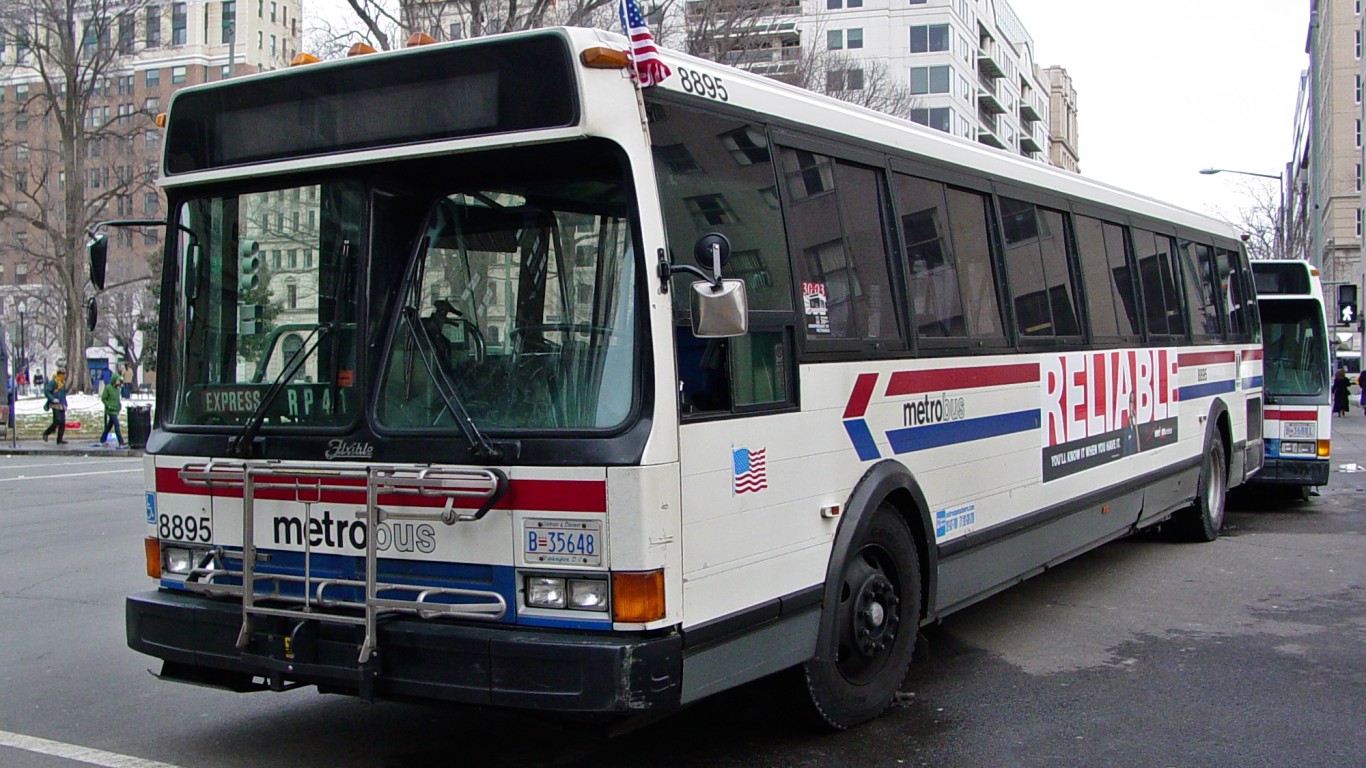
(248, 264)
(1347, 304)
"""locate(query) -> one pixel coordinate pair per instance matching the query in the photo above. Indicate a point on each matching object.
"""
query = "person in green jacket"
(109, 395)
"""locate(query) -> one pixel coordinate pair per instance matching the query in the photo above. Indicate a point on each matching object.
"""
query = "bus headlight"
(564, 592)
(180, 560)
(588, 594)
(545, 592)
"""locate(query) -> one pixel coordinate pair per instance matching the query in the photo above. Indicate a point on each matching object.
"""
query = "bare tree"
(69, 54)
(1271, 229)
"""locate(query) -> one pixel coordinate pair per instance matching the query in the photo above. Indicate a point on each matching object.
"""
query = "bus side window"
(715, 174)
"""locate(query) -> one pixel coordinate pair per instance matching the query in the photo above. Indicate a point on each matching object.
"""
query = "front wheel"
(875, 622)
(1203, 519)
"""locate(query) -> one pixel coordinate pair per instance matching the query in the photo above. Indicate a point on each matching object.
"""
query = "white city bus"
(441, 416)
(1297, 384)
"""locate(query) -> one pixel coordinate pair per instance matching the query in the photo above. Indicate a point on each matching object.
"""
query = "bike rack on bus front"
(307, 483)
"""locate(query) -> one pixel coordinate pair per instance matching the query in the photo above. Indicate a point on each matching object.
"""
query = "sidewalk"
(73, 447)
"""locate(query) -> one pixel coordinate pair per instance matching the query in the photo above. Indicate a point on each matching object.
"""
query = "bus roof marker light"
(599, 57)
(420, 38)
(359, 49)
(301, 59)
(160, 120)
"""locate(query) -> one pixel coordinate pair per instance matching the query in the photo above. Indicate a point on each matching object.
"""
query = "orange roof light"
(160, 119)
(359, 49)
(303, 58)
(604, 58)
(420, 38)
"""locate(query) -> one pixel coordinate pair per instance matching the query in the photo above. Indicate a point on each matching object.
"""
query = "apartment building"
(1335, 148)
(969, 64)
(156, 48)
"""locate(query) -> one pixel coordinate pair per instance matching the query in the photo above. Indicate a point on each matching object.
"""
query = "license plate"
(1302, 431)
(562, 542)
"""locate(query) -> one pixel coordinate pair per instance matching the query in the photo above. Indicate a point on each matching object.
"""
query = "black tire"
(875, 623)
(1205, 516)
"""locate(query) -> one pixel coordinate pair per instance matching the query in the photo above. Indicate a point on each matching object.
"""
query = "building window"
(177, 75)
(929, 37)
(149, 202)
(152, 78)
(127, 33)
(709, 210)
(843, 80)
(929, 80)
(229, 29)
(178, 24)
(834, 39)
(854, 38)
(153, 20)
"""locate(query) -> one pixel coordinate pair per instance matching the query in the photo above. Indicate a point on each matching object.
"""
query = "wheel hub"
(876, 615)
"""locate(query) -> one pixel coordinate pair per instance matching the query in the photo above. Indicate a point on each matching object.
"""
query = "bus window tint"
(1109, 282)
(1161, 303)
(1036, 266)
(1196, 271)
(835, 231)
(1234, 292)
(716, 175)
(968, 216)
(1295, 361)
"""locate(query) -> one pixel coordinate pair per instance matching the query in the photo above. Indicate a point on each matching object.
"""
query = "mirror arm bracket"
(667, 271)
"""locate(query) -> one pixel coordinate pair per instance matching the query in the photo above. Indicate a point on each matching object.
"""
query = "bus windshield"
(268, 297)
(519, 310)
(1296, 347)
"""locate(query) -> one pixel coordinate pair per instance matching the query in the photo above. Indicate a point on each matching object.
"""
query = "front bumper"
(1293, 472)
(500, 666)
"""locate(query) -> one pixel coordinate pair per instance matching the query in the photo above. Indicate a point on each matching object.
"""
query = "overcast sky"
(1167, 87)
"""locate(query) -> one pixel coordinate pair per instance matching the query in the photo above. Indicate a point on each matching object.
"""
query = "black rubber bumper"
(1293, 472)
(490, 665)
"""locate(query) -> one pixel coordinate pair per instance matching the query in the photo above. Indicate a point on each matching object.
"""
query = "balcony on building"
(988, 55)
(988, 129)
(1031, 109)
(1030, 145)
(986, 94)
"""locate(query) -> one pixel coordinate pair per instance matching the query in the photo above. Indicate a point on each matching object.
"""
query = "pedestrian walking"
(54, 390)
(109, 395)
(1342, 393)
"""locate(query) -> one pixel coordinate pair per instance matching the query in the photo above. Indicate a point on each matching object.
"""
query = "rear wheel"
(1203, 519)
(875, 622)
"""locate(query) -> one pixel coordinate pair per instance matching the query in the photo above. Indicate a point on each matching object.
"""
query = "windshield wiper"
(480, 446)
(242, 446)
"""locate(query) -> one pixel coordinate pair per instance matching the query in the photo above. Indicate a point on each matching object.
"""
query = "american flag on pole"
(751, 469)
(649, 68)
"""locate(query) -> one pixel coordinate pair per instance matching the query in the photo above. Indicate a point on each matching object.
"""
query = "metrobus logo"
(1098, 407)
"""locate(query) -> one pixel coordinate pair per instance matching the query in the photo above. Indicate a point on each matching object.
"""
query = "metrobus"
(1296, 378)
(510, 446)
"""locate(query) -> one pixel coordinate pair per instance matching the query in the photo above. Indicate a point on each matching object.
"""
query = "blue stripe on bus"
(1197, 391)
(1254, 382)
(542, 621)
(1273, 451)
(910, 439)
(862, 438)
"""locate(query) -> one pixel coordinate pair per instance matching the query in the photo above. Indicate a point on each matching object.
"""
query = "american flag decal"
(649, 68)
(750, 469)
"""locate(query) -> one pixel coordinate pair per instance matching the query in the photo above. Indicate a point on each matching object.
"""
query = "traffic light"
(1347, 305)
(248, 264)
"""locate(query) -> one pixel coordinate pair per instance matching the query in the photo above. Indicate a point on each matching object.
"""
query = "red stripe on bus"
(1204, 358)
(531, 495)
(1287, 415)
(858, 399)
(1252, 354)
(916, 382)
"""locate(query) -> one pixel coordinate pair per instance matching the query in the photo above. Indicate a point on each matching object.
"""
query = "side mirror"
(92, 314)
(719, 312)
(99, 259)
(719, 307)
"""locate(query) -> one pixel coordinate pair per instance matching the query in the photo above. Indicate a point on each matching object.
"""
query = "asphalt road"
(1245, 652)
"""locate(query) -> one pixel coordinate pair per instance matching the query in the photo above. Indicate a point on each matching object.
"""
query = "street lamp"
(1280, 210)
(23, 347)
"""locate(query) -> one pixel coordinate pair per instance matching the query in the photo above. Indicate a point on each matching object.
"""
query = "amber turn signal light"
(637, 597)
(152, 548)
